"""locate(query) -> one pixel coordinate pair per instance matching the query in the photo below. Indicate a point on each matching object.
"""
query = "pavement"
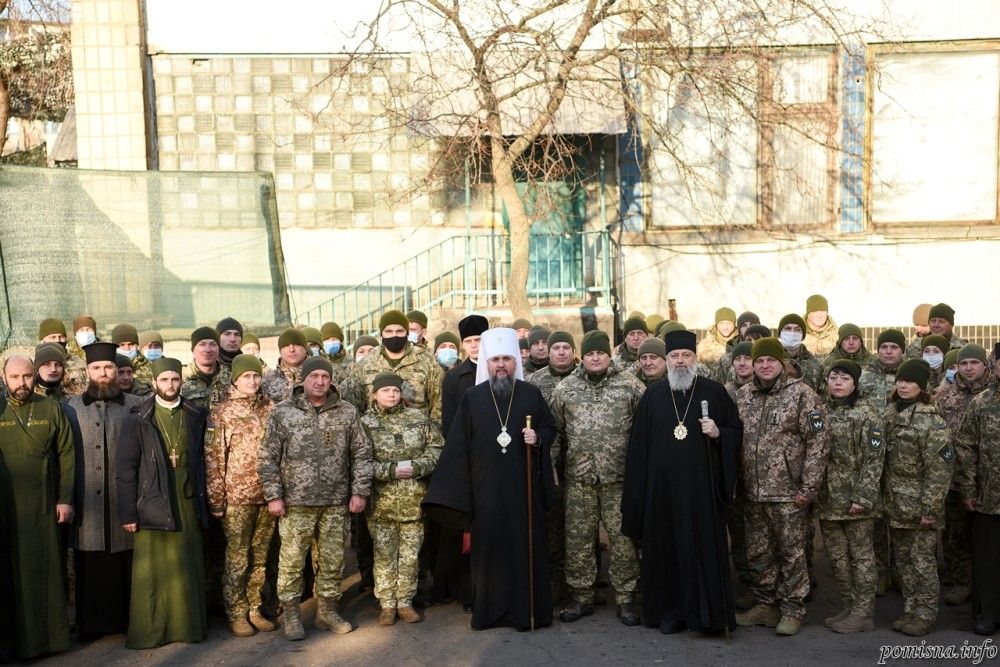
(444, 638)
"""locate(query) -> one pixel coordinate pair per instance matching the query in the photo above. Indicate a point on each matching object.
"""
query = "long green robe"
(36, 473)
(168, 571)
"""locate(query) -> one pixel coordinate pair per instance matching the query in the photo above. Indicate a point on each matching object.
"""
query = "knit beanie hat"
(758, 330)
(251, 338)
(747, 318)
(121, 361)
(743, 349)
(147, 337)
(291, 336)
(942, 310)
(82, 321)
(634, 324)
(768, 347)
(725, 315)
(561, 337)
(922, 315)
(538, 333)
(848, 366)
(50, 326)
(653, 345)
(792, 318)
(816, 302)
(596, 341)
(360, 342)
(940, 342)
(892, 336)
(244, 363)
(203, 333)
(914, 370)
(653, 321)
(386, 379)
(973, 351)
(390, 317)
(669, 325)
(418, 317)
(950, 358)
(520, 323)
(447, 337)
(229, 324)
(312, 335)
(124, 333)
(316, 364)
(331, 330)
(846, 330)
(47, 352)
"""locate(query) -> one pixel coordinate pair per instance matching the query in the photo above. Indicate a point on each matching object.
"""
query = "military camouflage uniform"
(623, 357)
(75, 379)
(398, 434)
(314, 460)
(736, 513)
(876, 383)
(978, 449)
(555, 516)
(915, 349)
(863, 357)
(141, 370)
(712, 348)
(421, 373)
(205, 391)
(57, 393)
(234, 488)
(918, 469)
(824, 340)
(853, 473)
(810, 369)
(953, 402)
(277, 384)
(594, 420)
(785, 447)
(646, 381)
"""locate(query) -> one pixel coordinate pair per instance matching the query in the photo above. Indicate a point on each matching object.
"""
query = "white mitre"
(495, 343)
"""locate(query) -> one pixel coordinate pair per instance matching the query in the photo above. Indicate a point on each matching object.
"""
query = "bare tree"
(36, 72)
(492, 82)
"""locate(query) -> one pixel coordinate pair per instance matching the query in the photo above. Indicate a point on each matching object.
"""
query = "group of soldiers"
(885, 448)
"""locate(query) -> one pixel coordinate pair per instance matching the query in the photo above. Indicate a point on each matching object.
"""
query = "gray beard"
(680, 378)
(501, 387)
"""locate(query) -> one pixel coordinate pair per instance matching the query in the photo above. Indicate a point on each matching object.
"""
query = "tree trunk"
(520, 232)
(4, 110)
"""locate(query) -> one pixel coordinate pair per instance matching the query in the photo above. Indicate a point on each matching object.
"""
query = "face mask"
(84, 338)
(790, 339)
(314, 350)
(395, 343)
(447, 356)
(935, 360)
(413, 337)
(332, 347)
(950, 374)
(130, 354)
(153, 354)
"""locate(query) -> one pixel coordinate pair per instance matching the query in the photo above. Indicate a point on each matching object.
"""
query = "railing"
(471, 272)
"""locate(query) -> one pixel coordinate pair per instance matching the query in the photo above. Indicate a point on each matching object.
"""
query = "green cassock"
(168, 570)
(36, 473)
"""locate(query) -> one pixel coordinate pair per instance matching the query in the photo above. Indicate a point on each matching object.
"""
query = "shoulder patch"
(876, 439)
(947, 453)
(816, 421)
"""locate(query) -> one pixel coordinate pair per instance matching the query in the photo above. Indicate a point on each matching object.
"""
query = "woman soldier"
(848, 499)
(406, 446)
(918, 469)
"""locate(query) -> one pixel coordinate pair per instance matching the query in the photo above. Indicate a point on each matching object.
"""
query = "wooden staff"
(531, 530)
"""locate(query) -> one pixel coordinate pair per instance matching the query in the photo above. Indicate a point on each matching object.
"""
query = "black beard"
(168, 399)
(502, 387)
(98, 393)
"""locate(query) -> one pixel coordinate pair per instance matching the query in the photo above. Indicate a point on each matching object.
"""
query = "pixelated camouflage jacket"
(978, 450)
(854, 466)
(876, 383)
(315, 457)
(915, 349)
(594, 420)
(277, 383)
(734, 385)
(822, 341)
(712, 347)
(546, 380)
(233, 448)
(400, 434)
(918, 465)
(205, 391)
(75, 378)
(141, 369)
(785, 440)
(623, 357)
(421, 374)
(953, 400)
(810, 368)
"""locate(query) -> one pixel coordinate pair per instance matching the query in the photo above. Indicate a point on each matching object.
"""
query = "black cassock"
(673, 501)
(477, 486)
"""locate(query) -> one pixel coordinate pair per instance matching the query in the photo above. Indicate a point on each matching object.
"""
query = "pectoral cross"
(173, 458)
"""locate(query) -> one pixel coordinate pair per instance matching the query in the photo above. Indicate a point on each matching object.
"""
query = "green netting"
(158, 249)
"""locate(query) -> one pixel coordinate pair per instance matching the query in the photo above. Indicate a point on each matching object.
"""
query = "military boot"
(293, 621)
(957, 595)
(387, 616)
(788, 626)
(898, 624)
(852, 623)
(767, 615)
(262, 623)
(409, 614)
(327, 617)
(575, 610)
(917, 627)
(627, 614)
(241, 627)
(829, 621)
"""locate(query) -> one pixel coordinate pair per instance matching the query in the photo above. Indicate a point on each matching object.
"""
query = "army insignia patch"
(876, 439)
(947, 454)
(816, 421)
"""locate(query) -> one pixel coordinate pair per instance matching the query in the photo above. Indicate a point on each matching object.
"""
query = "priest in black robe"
(680, 472)
(480, 484)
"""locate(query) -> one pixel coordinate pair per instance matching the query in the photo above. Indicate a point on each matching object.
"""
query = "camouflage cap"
(50, 326)
(768, 347)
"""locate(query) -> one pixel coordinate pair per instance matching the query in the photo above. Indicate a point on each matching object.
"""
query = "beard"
(502, 387)
(21, 393)
(680, 378)
(168, 397)
(103, 391)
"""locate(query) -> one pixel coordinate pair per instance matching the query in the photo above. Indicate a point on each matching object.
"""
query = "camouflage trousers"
(328, 527)
(397, 548)
(736, 522)
(916, 561)
(555, 541)
(883, 551)
(588, 506)
(852, 559)
(776, 551)
(957, 541)
(249, 530)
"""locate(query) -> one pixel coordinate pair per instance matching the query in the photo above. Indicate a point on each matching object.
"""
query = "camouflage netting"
(158, 249)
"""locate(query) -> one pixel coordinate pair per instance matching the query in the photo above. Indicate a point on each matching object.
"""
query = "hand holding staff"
(532, 443)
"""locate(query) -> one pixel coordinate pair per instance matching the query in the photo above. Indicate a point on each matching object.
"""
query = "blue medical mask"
(331, 346)
(152, 354)
(447, 356)
(935, 360)
(413, 337)
(950, 374)
(130, 354)
(314, 350)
